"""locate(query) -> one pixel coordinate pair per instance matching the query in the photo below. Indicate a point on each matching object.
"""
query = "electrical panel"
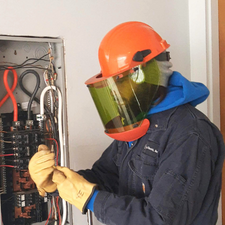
(32, 112)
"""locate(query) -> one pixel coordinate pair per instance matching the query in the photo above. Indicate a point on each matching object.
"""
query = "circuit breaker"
(32, 112)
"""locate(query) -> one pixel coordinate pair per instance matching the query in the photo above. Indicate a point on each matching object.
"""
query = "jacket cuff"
(90, 204)
(99, 205)
(84, 208)
(54, 193)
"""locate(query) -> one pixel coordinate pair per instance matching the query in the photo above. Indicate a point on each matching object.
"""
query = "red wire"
(57, 205)
(57, 155)
(15, 118)
(6, 155)
(57, 198)
(12, 88)
(48, 216)
(7, 166)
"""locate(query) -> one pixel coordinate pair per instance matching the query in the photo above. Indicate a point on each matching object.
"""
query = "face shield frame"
(124, 100)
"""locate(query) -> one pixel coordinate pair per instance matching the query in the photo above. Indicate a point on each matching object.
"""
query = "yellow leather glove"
(72, 187)
(41, 170)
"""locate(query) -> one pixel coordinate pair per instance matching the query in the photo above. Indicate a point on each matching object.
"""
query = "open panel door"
(222, 88)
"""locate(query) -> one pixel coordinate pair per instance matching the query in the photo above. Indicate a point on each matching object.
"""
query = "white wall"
(204, 52)
(83, 24)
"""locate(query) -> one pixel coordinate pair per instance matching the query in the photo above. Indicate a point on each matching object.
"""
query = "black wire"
(27, 67)
(37, 86)
(23, 64)
(36, 59)
(46, 108)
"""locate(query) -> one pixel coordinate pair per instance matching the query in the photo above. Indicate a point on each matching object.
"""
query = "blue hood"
(181, 91)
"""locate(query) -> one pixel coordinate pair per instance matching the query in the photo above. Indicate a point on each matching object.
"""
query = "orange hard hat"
(128, 44)
(125, 46)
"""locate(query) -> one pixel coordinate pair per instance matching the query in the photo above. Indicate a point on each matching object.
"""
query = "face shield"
(124, 100)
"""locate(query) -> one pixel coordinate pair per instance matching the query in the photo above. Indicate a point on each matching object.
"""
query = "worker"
(164, 166)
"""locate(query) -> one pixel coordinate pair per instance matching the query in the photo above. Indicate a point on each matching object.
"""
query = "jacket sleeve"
(104, 172)
(179, 188)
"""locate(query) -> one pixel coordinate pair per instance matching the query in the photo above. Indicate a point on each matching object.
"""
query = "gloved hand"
(72, 187)
(41, 170)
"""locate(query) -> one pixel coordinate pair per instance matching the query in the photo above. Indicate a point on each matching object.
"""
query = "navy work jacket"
(172, 175)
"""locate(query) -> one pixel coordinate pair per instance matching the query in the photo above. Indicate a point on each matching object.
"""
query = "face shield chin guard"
(124, 100)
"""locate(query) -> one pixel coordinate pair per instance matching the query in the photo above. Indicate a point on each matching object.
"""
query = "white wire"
(42, 96)
(62, 153)
(54, 209)
(62, 158)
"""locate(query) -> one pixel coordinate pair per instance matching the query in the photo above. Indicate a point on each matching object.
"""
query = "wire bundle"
(60, 130)
(54, 210)
(27, 65)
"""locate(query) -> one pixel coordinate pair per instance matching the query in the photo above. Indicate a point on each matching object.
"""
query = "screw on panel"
(16, 123)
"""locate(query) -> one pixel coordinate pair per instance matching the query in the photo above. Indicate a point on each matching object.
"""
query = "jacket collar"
(159, 121)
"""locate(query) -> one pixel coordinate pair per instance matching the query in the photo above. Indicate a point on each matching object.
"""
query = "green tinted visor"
(124, 100)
